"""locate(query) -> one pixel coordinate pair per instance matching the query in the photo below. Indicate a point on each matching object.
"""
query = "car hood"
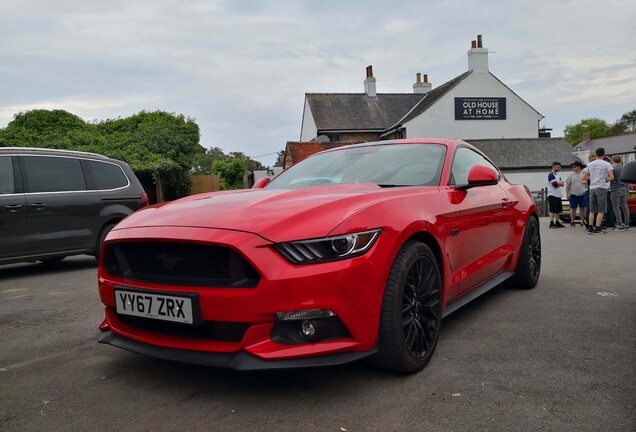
(274, 214)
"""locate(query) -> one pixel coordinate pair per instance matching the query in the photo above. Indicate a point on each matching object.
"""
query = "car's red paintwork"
(491, 220)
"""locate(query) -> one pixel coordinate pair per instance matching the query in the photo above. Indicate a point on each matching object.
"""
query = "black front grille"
(184, 264)
(209, 330)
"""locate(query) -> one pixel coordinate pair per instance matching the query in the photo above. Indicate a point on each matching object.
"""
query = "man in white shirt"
(555, 206)
(599, 173)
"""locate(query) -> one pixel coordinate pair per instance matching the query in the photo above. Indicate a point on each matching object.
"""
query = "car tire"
(529, 265)
(411, 312)
(100, 239)
(51, 261)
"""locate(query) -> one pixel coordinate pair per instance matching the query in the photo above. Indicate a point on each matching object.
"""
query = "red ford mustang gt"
(353, 252)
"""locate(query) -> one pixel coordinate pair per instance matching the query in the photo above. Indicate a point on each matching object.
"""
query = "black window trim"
(17, 176)
(90, 186)
(450, 170)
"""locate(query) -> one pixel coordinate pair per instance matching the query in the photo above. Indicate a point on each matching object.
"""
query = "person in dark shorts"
(555, 206)
(599, 173)
(575, 191)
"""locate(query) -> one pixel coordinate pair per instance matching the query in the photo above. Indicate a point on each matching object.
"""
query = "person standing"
(619, 196)
(555, 206)
(575, 191)
(599, 173)
(609, 221)
(590, 158)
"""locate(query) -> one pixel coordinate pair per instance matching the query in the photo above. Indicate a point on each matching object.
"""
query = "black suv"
(55, 203)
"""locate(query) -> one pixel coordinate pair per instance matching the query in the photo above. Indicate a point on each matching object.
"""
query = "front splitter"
(239, 361)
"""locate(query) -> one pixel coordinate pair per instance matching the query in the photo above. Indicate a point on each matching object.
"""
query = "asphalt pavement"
(560, 357)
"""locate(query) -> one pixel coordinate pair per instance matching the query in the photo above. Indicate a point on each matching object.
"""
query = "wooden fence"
(205, 183)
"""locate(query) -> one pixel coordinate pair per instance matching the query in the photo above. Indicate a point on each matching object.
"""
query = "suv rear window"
(6, 176)
(53, 174)
(107, 175)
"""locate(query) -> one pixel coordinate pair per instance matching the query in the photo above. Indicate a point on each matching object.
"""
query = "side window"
(6, 176)
(465, 159)
(53, 174)
(107, 175)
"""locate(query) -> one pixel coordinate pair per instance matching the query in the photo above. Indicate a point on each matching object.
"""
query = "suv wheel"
(100, 239)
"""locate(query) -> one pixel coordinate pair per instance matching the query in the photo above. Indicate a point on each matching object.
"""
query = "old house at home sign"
(493, 108)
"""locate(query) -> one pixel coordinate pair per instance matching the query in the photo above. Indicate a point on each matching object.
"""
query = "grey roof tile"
(357, 111)
(613, 145)
(525, 153)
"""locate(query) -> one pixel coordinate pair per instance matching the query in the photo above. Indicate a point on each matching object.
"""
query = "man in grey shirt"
(618, 194)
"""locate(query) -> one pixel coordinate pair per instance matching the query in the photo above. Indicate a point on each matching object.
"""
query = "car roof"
(48, 151)
(443, 141)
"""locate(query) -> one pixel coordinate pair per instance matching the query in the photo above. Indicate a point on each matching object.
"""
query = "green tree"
(155, 144)
(51, 129)
(626, 124)
(203, 162)
(280, 158)
(231, 173)
(596, 127)
(161, 143)
(250, 164)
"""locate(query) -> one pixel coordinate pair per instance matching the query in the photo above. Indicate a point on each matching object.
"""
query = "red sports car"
(353, 252)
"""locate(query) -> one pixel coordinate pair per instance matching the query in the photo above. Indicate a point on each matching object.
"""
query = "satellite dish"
(323, 138)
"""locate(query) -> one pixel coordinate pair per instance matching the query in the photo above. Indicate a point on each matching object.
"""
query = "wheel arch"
(532, 214)
(431, 241)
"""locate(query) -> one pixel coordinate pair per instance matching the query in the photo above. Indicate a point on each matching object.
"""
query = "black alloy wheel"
(411, 310)
(534, 251)
(420, 306)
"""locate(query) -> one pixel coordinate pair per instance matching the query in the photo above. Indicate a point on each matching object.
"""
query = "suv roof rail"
(41, 149)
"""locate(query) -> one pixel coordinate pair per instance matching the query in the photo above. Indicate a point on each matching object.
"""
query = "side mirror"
(628, 173)
(261, 183)
(480, 175)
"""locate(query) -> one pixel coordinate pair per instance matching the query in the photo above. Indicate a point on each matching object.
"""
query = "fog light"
(308, 328)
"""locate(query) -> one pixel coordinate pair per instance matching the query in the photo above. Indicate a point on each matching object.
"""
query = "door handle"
(13, 207)
(505, 202)
(38, 205)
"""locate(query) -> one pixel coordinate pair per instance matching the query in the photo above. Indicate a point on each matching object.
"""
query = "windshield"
(387, 165)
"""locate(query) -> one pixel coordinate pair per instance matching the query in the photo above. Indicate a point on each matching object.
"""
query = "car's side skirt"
(476, 292)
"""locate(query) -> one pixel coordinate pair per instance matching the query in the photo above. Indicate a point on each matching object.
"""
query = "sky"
(241, 68)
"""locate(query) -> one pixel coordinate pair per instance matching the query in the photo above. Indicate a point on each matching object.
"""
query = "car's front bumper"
(351, 288)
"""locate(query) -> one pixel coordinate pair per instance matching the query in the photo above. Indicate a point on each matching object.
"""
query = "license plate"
(566, 207)
(160, 306)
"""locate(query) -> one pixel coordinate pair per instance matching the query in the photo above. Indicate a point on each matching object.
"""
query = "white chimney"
(478, 56)
(369, 83)
(422, 87)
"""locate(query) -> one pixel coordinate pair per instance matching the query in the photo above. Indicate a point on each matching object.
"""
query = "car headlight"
(328, 248)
